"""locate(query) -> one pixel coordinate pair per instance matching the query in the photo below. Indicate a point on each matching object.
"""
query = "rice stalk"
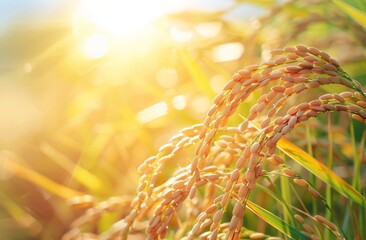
(229, 162)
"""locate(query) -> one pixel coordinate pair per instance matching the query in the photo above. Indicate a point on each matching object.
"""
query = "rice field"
(185, 124)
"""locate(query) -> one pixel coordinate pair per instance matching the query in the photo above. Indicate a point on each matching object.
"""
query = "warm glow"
(118, 18)
(96, 46)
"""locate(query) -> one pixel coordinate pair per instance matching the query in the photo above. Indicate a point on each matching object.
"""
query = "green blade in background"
(20, 215)
(82, 175)
(357, 15)
(321, 171)
(39, 180)
(275, 221)
(196, 72)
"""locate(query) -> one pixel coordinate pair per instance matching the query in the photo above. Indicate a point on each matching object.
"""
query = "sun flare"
(119, 19)
(96, 46)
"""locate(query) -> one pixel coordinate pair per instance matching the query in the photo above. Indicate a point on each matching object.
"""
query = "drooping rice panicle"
(230, 161)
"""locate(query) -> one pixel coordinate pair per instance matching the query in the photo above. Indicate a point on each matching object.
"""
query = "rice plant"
(276, 153)
(261, 178)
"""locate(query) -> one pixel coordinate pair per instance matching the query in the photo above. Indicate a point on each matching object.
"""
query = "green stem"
(313, 177)
(356, 160)
(328, 194)
(286, 196)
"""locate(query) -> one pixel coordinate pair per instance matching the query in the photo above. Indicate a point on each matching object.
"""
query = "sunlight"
(119, 19)
(96, 46)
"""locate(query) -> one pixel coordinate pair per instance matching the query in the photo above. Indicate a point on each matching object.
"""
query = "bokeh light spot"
(209, 29)
(180, 34)
(227, 52)
(152, 112)
(179, 102)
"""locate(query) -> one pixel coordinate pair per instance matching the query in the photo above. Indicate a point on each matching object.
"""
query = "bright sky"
(111, 19)
(13, 10)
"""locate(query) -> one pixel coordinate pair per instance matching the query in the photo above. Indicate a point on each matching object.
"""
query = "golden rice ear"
(229, 162)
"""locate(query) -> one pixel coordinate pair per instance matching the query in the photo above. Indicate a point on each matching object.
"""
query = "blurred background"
(90, 88)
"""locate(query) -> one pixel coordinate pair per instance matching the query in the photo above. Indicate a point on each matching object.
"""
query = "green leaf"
(82, 175)
(275, 221)
(19, 214)
(355, 13)
(196, 72)
(321, 171)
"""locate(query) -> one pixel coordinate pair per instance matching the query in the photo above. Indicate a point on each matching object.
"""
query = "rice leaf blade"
(196, 72)
(321, 171)
(39, 180)
(80, 174)
(356, 14)
(275, 221)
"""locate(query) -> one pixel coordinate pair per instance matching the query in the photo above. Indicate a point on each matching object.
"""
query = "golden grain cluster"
(208, 197)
